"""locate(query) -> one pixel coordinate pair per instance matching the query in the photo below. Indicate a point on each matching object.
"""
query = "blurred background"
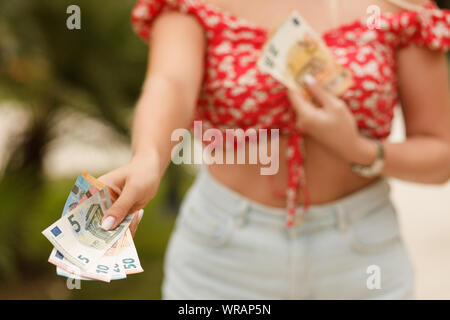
(66, 101)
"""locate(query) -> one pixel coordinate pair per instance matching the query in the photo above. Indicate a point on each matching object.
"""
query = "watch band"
(376, 167)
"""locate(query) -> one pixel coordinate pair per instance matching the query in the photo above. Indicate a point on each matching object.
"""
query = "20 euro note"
(295, 50)
(78, 235)
(81, 189)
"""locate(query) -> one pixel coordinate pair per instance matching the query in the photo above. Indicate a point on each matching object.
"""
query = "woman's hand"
(136, 183)
(332, 124)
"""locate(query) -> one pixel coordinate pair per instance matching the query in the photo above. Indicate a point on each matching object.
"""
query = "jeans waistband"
(339, 213)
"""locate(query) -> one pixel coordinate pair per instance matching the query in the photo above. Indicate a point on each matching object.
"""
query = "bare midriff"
(328, 177)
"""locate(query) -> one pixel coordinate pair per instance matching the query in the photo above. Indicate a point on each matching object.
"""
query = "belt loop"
(341, 218)
(241, 216)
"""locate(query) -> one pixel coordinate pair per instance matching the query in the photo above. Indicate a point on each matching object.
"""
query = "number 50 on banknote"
(295, 50)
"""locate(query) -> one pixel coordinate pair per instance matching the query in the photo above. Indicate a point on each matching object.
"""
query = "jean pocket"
(206, 224)
(377, 231)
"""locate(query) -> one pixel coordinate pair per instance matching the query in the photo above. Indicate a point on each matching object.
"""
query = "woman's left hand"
(332, 124)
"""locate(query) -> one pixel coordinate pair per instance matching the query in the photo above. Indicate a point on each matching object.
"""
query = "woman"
(339, 237)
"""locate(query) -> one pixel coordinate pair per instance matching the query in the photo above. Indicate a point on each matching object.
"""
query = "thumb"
(135, 223)
(122, 207)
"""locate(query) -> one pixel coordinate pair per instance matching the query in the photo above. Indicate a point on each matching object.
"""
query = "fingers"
(307, 113)
(125, 204)
(319, 93)
(135, 223)
(114, 179)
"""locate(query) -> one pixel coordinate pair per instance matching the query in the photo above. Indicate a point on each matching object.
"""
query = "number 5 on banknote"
(79, 237)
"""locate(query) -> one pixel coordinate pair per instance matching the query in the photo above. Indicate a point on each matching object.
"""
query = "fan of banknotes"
(295, 50)
(82, 250)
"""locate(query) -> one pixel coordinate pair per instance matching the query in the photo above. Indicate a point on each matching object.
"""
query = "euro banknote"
(111, 266)
(85, 186)
(295, 50)
(80, 190)
(127, 255)
(107, 269)
(78, 235)
(129, 260)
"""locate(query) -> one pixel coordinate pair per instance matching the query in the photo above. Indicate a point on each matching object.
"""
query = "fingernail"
(309, 79)
(140, 215)
(108, 223)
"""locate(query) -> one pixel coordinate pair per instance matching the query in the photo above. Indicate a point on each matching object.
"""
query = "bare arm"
(171, 86)
(423, 83)
(167, 102)
(424, 91)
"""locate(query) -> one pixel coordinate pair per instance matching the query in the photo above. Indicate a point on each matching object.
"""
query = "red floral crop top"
(235, 94)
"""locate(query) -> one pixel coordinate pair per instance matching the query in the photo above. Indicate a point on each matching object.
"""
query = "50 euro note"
(127, 257)
(78, 235)
(295, 50)
(118, 261)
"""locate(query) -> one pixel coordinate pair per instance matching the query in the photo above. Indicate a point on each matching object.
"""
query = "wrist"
(365, 151)
(149, 157)
(144, 149)
(375, 167)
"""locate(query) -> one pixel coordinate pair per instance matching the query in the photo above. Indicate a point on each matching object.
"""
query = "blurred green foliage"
(98, 71)
(37, 278)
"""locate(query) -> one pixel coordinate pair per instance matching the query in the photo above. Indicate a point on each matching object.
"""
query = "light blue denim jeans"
(225, 246)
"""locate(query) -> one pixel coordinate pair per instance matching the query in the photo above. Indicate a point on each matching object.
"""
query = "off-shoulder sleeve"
(428, 27)
(145, 11)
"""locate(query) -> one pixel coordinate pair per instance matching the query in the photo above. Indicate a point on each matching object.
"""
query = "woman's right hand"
(136, 183)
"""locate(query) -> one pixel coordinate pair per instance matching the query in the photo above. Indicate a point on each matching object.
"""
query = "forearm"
(422, 159)
(161, 109)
